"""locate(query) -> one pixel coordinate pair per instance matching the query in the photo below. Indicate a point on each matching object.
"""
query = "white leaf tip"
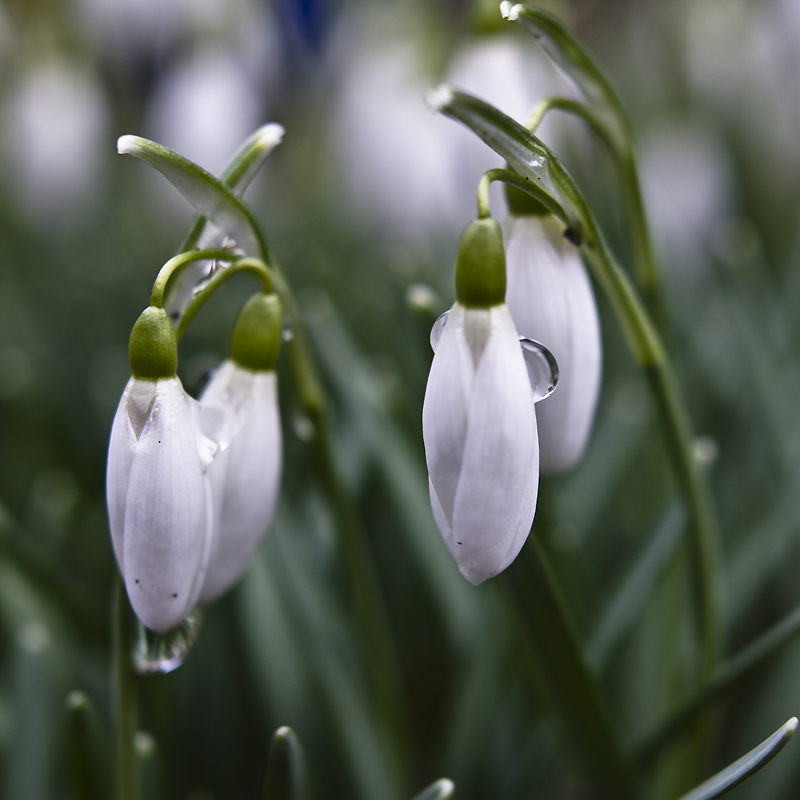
(513, 12)
(791, 726)
(446, 787)
(128, 144)
(271, 134)
(505, 9)
(439, 98)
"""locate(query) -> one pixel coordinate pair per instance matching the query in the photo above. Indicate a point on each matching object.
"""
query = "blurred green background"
(363, 203)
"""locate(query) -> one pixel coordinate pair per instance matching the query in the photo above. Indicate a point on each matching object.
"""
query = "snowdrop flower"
(245, 475)
(478, 418)
(551, 301)
(159, 502)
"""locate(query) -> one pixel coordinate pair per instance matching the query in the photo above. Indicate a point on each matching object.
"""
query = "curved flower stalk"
(158, 494)
(551, 301)
(478, 418)
(245, 475)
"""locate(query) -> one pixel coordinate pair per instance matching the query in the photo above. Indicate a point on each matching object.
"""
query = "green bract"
(256, 338)
(153, 348)
(481, 265)
(521, 204)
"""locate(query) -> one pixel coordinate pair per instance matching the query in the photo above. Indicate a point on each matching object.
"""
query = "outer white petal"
(495, 485)
(445, 410)
(118, 469)
(245, 477)
(167, 528)
(551, 300)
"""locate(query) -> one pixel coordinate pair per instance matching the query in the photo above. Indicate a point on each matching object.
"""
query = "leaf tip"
(439, 98)
(505, 9)
(284, 732)
(509, 12)
(128, 144)
(271, 134)
(446, 787)
(790, 727)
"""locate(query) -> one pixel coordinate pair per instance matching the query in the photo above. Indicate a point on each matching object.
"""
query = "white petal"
(120, 457)
(245, 477)
(167, 514)
(551, 300)
(499, 455)
(445, 408)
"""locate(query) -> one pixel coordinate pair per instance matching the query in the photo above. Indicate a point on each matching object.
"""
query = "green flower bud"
(481, 265)
(256, 338)
(153, 348)
(521, 204)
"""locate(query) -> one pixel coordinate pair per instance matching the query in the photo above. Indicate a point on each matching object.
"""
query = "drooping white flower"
(245, 475)
(551, 301)
(159, 501)
(481, 445)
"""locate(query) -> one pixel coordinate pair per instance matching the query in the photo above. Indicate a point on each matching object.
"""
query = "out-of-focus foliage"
(363, 203)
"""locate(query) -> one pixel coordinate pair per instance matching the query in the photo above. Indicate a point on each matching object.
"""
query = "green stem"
(546, 618)
(124, 700)
(514, 179)
(648, 276)
(175, 266)
(652, 358)
(726, 676)
(201, 296)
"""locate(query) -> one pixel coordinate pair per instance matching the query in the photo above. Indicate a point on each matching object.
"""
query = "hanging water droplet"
(287, 334)
(438, 329)
(164, 652)
(537, 161)
(542, 368)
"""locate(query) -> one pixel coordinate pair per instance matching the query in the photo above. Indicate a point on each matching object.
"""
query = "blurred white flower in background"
(205, 108)
(407, 169)
(688, 188)
(54, 127)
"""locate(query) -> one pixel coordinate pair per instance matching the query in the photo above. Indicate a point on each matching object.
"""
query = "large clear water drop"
(542, 368)
(165, 652)
(438, 329)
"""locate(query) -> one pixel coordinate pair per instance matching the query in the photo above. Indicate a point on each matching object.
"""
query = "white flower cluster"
(191, 487)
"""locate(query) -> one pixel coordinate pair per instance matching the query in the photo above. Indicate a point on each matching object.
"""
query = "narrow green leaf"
(286, 774)
(148, 761)
(567, 53)
(240, 171)
(746, 766)
(544, 614)
(442, 789)
(88, 752)
(634, 591)
(205, 192)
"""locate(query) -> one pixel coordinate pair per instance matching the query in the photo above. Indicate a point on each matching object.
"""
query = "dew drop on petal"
(165, 652)
(542, 368)
(438, 329)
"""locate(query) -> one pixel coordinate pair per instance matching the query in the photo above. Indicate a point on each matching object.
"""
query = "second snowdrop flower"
(478, 418)
(245, 475)
(551, 300)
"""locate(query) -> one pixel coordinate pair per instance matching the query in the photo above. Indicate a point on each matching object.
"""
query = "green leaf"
(148, 761)
(286, 774)
(88, 752)
(240, 171)
(746, 766)
(634, 591)
(205, 192)
(566, 52)
(442, 789)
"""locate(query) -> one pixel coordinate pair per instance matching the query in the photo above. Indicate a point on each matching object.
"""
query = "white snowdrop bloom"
(479, 427)
(245, 475)
(157, 489)
(478, 417)
(54, 122)
(159, 502)
(551, 301)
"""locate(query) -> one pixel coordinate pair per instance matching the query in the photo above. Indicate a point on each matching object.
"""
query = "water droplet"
(542, 368)
(164, 652)
(438, 329)
(537, 161)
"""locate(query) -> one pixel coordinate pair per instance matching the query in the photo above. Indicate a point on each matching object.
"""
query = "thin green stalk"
(727, 675)
(252, 265)
(176, 265)
(124, 700)
(545, 616)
